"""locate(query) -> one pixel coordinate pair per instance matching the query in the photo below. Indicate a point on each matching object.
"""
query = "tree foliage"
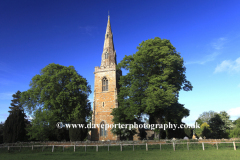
(57, 94)
(205, 117)
(40, 128)
(78, 134)
(214, 125)
(120, 117)
(235, 133)
(156, 75)
(217, 127)
(14, 127)
(16, 104)
(237, 123)
(174, 115)
(205, 130)
(188, 132)
(226, 119)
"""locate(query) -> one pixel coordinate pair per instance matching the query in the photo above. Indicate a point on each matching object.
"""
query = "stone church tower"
(105, 90)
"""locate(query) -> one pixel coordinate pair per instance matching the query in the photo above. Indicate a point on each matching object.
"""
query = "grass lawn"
(140, 155)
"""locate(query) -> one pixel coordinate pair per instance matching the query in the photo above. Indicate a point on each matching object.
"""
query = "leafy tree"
(78, 134)
(57, 94)
(120, 117)
(217, 126)
(220, 124)
(156, 75)
(40, 128)
(16, 104)
(174, 114)
(205, 117)
(235, 133)
(237, 123)
(204, 125)
(188, 132)
(206, 130)
(14, 127)
(225, 118)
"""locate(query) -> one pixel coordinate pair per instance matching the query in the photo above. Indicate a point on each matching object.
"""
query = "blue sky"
(36, 33)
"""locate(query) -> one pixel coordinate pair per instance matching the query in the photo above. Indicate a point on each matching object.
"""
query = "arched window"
(104, 84)
(106, 55)
(103, 129)
(103, 104)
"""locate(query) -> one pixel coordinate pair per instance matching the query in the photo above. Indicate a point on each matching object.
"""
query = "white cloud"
(234, 112)
(207, 58)
(228, 66)
(217, 45)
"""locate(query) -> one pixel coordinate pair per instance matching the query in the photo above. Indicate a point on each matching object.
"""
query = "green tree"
(174, 115)
(217, 127)
(57, 94)
(40, 128)
(16, 104)
(156, 75)
(235, 133)
(205, 117)
(14, 127)
(237, 122)
(206, 130)
(78, 134)
(226, 119)
(188, 132)
(120, 117)
(220, 124)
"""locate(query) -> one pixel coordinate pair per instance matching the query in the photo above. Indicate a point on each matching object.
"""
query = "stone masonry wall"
(102, 113)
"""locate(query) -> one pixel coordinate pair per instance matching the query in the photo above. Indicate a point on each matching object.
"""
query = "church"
(105, 90)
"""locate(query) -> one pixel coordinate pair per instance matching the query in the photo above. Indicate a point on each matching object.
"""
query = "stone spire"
(109, 53)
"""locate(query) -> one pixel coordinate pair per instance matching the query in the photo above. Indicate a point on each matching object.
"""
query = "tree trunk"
(158, 120)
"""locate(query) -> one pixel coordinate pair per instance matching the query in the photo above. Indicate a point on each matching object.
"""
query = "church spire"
(109, 53)
(108, 36)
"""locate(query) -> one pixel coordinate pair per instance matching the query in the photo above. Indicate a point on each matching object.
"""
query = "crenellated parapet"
(105, 68)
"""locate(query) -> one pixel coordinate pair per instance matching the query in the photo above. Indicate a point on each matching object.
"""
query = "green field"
(195, 153)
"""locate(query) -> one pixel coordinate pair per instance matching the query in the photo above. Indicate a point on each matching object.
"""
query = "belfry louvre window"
(104, 84)
(103, 130)
(106, 55)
